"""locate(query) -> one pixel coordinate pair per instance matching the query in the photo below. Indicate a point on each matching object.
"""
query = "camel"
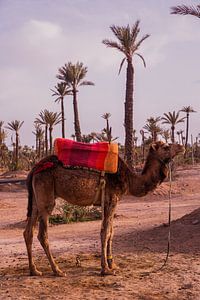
(80, 186)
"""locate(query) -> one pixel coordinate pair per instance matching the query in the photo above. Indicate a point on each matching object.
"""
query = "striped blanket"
(100, 156)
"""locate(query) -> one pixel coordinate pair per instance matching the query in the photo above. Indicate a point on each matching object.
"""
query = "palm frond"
(186, 10)
(121, 65)
(187, 109)
(142, 58)
(86, 82)
(120, 32)
(112, 44)
(141, 40)
(15, 125)
(135, 31)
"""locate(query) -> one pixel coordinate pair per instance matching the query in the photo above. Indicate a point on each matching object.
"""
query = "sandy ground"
(140, 244)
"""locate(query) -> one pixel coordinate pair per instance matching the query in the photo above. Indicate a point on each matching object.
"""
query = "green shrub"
(73, 213)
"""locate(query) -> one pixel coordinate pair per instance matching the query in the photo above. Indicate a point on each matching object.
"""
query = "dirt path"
(140, 243)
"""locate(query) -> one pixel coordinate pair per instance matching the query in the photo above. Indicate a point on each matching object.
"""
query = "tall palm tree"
(60, 91)
(15, 126)
(128, 45)
(187, 110)
(73, 75)
(172, 119)
(153, 127)
(53, 118)
(186, 10)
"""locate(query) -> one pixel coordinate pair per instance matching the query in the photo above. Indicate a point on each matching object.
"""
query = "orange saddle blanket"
(100, 156)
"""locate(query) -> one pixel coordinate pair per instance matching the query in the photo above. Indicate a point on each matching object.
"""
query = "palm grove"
(71, 78)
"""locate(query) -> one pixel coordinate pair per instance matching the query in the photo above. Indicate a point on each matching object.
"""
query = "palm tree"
(172, 119)
(187, 110)
(42, 120)
(153, 127)
(60, 91)
(186, 10)
(52, 118)
(128, 45)
(39, 135)
(73, 75)
(107, 130)
(179, 136)
(15, 126)
(166, 135)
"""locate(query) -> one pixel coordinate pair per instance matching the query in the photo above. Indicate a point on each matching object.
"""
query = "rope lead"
(169, 224)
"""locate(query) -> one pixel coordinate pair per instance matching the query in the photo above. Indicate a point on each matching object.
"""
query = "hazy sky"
(39, 36)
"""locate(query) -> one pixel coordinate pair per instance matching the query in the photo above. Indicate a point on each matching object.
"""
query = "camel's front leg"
(106, 235)
(43, 238)
(110, 259)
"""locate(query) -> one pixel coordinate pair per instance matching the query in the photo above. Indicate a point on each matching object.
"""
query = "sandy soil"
(140, 244)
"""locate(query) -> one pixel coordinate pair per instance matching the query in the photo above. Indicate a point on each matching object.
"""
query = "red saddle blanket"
(100, 156)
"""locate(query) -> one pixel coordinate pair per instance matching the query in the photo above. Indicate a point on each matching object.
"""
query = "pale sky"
(39, 36)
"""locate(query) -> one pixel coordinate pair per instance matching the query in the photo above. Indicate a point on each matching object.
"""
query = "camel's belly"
(78, 188)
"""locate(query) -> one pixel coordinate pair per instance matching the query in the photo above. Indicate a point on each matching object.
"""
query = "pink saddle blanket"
(100, 156)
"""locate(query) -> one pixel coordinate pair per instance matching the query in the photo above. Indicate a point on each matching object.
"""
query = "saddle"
(100, 156)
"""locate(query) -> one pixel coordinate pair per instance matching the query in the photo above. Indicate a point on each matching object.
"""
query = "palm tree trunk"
(36, 144)
(173, 139)
(63, 118)
(50, 139)
(187, 131)
(39, 148)
(16, 150)
(76, 117)
(46, 140)
(129, 114)
(186, 134)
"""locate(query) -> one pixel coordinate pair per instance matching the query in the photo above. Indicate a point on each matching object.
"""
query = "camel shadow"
(185, 236)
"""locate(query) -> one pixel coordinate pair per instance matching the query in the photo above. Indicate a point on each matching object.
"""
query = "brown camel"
(80, 186)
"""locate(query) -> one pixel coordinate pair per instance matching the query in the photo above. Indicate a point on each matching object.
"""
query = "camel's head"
(166, 152)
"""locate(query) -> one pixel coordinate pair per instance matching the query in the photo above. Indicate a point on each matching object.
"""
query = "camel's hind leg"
(107, 234)
(43, 187)
(28, 237)
(43, 238)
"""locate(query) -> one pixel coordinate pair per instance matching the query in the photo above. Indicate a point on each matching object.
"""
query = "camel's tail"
(30, 193)
(46, 163)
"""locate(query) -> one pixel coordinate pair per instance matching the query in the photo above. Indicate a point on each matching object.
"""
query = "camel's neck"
(154, 172)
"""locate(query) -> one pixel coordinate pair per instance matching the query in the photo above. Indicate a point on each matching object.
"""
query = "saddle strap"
(100, 193)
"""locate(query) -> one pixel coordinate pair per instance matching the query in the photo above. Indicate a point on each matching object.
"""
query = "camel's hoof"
(113, 266)
(59, 273)
(107, 271)
(35, 273)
